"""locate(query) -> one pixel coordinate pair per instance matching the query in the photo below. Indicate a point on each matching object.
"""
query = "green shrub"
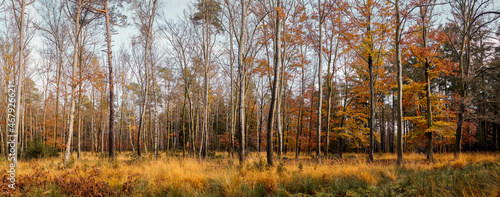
(280, 169)
(38, 149)
(260, 165)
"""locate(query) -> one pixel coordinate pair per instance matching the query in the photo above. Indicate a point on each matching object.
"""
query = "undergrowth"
(474, 174)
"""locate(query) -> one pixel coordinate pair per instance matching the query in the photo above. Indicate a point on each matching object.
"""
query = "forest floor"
(474, 174)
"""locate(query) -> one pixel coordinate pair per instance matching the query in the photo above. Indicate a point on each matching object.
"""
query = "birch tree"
(145, 12)
(67, 154)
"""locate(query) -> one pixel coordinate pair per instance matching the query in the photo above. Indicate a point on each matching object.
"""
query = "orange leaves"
(412, 94)
(262, 68)
(96, 75)
(281, 13)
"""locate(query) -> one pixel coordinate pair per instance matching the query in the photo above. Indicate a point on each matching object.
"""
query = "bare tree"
(19, 16)
(52, 27)
(73, 81)
(466, 14)
(207, 17)
(321, 18)
(146, 12)
(242, 75)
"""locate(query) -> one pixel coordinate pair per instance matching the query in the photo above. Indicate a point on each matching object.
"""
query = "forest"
(250, 98)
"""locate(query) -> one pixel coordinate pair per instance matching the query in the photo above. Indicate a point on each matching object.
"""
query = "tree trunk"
(464, 62)
(73, 84)
(311, 116)
(301, 114)
(242, 71)
(146, 80)
(92, 124)
(79, 117)
(184, 126)
(231, 103)
(383, 133)
(277, 63)
(156, 132)
(320, 88)
(111, 132)
(428, 92)
(400, 88)
(130, 126)
(206, 46)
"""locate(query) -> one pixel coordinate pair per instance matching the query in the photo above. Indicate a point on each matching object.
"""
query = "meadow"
(474, 174)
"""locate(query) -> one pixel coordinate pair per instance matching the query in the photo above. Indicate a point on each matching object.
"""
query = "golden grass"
(190, 176)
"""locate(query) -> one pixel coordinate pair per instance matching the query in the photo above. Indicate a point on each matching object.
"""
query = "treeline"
(281, 76)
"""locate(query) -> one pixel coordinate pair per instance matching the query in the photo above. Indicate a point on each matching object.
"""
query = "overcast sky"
(170, 8)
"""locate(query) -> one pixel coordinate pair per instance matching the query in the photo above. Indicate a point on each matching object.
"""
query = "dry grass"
(222, 176)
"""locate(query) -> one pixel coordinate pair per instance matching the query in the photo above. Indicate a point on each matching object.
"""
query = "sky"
(170, 8)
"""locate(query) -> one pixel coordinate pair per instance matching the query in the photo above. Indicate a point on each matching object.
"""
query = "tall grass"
(474, 174)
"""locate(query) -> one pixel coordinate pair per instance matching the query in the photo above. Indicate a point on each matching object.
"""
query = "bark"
(279, 123)
(19, 86)
(92, 124)
(393, 121)
(231, 62)
(242, 71)
(191, 123)
(311, 116)
(58, 81)
(320, 89)
(156, 132)
(330, 94)
(301, 114)
(464, 68)
(111, 133)
(372, 107)
(261, 124)
(274, 91)
(206, 54)
(400, 88)
(383, 133)
(428, 88)
(79, 117)
(3, 143)
(73, 84)
(130, 126)
(121, 120)
(146, 80)
(168, 118)
(184, 126)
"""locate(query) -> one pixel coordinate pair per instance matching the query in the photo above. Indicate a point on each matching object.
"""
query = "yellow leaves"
(281, 13)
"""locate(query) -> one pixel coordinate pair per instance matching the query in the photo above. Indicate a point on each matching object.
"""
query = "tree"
(242, 75)
(231, 62)
(106, 11)
(321, 19)
(208, 11)
(399, 137)
(367, 35)
(274, 90)
(146, 12)
(332, 54)
(67, 154)
(52, 28)
(180, 37)
(20, 73)
(466, 14)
